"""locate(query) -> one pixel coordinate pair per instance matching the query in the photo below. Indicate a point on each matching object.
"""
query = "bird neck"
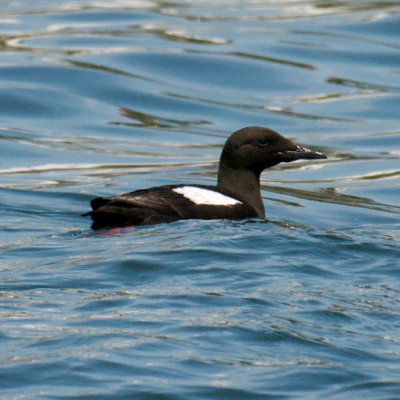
(243, 184)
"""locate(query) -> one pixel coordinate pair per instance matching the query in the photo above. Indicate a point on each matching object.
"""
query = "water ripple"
(104, 97)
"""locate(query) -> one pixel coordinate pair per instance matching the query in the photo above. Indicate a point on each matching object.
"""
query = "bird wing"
(161, 199)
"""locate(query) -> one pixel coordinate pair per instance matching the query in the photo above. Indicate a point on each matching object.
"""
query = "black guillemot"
(246, 153)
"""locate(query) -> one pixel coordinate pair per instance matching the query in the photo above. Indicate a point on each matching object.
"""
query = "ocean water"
(104, 97)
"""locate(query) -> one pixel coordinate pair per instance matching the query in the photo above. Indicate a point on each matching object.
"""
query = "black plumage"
(246, 153)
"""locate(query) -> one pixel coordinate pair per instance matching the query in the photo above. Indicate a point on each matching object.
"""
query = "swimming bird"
(246, 153)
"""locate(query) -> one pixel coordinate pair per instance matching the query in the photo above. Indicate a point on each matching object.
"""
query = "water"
(100, 98)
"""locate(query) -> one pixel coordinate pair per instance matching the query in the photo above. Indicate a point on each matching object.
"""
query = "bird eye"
(263, 142)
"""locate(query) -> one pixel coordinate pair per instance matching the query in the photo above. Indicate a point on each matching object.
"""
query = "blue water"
(104, 97)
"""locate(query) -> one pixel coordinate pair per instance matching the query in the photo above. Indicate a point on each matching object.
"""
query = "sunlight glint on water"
(100, 98)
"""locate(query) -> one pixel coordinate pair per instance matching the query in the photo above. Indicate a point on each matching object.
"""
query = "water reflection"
(331, 195)
(151, 121)
(364, 86)
(103, 97)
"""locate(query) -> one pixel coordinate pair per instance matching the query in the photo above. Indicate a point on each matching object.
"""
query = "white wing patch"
(205, 196)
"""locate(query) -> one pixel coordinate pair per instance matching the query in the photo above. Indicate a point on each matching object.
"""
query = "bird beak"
(301, 153)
